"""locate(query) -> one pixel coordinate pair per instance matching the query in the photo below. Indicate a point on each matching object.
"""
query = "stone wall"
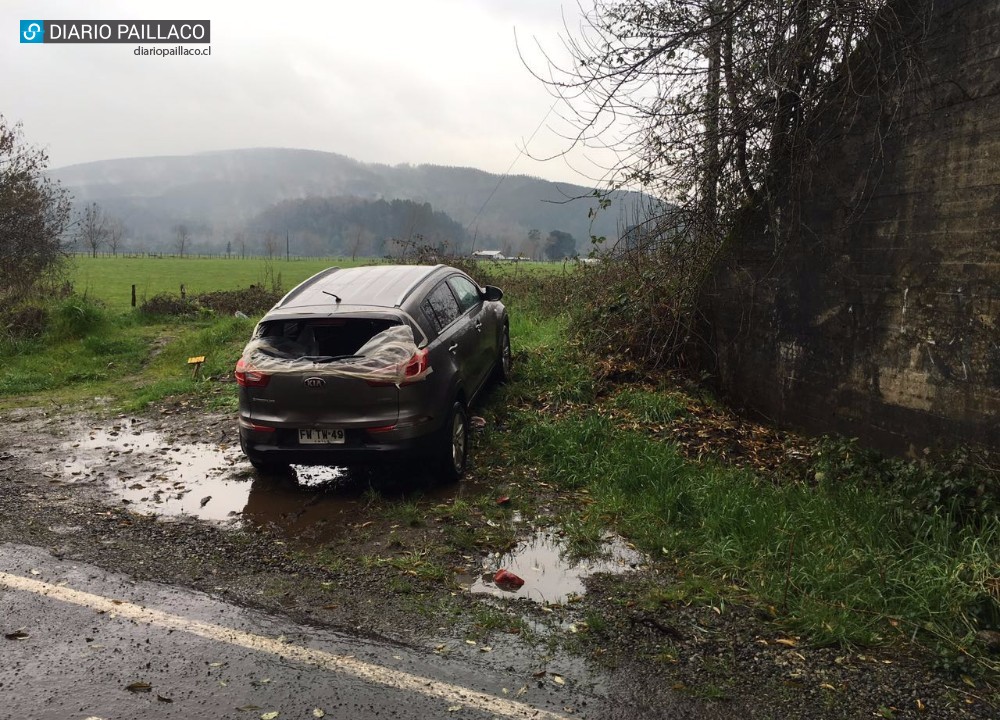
(882, 319)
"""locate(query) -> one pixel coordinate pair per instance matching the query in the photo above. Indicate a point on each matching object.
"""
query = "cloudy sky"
(391, 81)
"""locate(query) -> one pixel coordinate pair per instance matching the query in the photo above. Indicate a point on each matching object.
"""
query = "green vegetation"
(850, 548)
(110, 279)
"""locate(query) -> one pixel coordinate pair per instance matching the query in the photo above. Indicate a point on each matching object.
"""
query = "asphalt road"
(81, 643)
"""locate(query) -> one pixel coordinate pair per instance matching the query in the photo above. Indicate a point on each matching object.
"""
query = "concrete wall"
(882, 319)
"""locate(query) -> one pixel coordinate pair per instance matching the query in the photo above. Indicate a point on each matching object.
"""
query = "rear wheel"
(454, 450)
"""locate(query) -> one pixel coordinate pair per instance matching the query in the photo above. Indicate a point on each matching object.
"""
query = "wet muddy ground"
(168, 497)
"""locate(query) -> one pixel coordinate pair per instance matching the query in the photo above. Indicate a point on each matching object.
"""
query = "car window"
(465, 290)
(441, 307)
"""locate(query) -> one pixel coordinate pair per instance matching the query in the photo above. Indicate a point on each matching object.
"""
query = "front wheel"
(501, 372)
(454, 452)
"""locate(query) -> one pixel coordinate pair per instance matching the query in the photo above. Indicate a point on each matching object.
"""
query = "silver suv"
(373, 363)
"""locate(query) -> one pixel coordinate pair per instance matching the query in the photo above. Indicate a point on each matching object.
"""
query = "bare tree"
(719, 107)
(116, 235)
(714, 104)
(271, 245)
(92, 228)
(34, 214)
(182, 236)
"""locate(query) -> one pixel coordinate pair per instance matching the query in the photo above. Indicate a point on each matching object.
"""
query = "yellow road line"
(344, 664)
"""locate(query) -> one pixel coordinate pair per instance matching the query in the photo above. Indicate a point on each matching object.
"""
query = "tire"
(501, 371)
(454, 451)
(268, 467)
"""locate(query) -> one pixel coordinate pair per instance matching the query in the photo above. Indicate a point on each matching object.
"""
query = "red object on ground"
(507, 580)
(503, 500)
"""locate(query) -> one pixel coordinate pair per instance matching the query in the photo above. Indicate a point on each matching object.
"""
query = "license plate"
(318, 436)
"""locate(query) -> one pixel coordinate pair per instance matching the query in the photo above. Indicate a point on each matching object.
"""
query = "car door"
(457, 334)
(472, 305)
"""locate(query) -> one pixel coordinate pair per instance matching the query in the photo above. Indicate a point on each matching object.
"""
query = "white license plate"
(318, 436)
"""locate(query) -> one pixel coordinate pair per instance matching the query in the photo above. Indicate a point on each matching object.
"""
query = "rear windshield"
(321, 337)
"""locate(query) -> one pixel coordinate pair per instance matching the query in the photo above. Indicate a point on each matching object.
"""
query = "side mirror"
(492, 294)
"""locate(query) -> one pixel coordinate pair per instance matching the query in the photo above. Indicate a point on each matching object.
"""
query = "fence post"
(133, 296)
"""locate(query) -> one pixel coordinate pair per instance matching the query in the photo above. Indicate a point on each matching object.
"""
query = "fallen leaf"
(790, 642)
(454, 708)
(17, 635)
(558, 680)
(269, 715)
(968, 681)
(138, 687)
(164, 699)
(319, 712)
(920, 705)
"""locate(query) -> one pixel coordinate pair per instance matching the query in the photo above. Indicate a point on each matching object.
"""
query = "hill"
(219, 195)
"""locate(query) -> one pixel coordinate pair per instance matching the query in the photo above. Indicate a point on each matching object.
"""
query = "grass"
(110, 279)
(844, 560)
(839, 560)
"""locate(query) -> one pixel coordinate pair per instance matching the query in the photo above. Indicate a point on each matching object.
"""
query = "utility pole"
(286, 246)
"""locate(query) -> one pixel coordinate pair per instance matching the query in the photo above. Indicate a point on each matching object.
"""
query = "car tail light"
(249, 376)
(415, 369)
(417, 366)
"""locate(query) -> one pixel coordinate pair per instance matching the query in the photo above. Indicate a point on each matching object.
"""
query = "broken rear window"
(320, 337)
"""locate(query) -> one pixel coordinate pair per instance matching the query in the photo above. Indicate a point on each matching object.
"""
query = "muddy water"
(214, 482)
(551, 576)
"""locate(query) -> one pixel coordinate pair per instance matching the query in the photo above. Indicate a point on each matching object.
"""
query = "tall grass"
(856, 557)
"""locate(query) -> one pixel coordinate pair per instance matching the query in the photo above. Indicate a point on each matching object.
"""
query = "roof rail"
(305, 284)
(409, 288)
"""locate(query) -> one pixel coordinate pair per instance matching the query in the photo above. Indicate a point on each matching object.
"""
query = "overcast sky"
(391, 81)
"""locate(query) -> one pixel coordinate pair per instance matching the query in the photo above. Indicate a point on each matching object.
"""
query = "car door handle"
(453, 348)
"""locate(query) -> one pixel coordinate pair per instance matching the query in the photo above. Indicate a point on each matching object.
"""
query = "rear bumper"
(359, 448)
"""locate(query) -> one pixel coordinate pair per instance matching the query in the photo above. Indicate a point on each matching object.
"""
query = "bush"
(23, 322)
(251, 301)
(75, 317)
(961, 484)
(167, 304)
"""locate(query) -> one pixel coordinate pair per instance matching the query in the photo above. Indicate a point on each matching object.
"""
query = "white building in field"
(488, 255)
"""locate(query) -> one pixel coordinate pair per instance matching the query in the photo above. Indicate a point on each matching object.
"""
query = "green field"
(110, 279)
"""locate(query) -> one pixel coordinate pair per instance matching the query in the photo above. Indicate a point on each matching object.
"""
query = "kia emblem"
(314, 382)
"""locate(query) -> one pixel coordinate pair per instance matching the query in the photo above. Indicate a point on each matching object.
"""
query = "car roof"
(374, 286)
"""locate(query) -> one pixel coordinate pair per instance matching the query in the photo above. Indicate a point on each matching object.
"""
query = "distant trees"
(360, 227)
(560, 245)
(116, 234)
(182, 238)
(92, 228)
(34, 214)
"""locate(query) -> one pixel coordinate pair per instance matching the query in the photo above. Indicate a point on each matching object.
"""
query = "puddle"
(154, 476)
(215, 482)
(549, 575)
